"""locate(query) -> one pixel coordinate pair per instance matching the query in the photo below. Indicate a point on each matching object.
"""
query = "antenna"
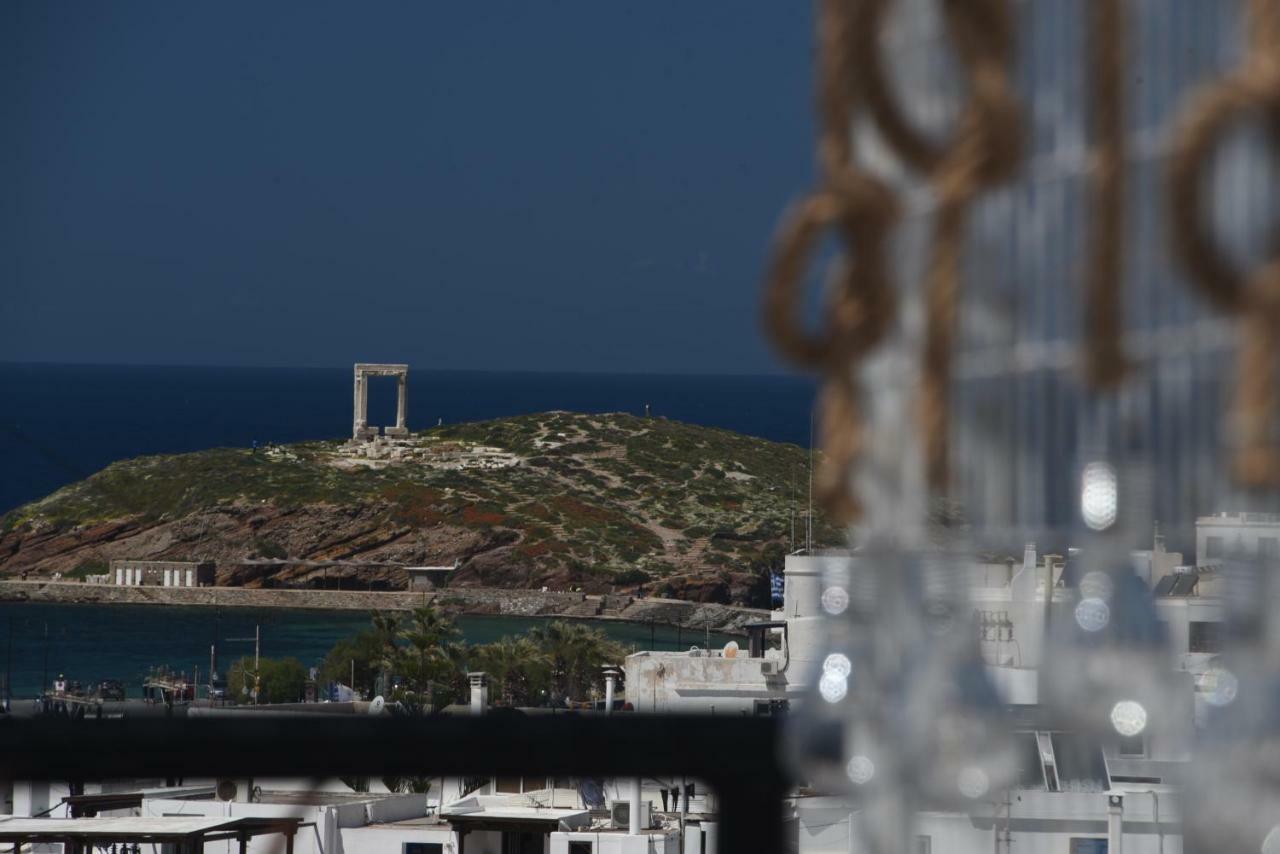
(793, 511)
(808, 522)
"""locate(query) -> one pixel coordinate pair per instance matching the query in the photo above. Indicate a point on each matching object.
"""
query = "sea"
(41, 641)
(62, 423)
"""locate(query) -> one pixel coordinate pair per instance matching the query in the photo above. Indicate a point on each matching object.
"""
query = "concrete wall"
(320, 837)
(160, 573)
(516, 603)
(615, 842)
(1038, 823)
(1237, 534)
(391, 839)
(674, 682)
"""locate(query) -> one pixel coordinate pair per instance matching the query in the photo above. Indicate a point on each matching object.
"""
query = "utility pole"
(257, 660)
(793, 510)
(44, 679)
(808, 544)
(8, 669)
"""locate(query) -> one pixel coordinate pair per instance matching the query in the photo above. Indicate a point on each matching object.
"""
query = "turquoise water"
(94, 642)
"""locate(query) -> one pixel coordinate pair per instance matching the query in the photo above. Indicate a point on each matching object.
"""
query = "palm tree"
(432, 655)
(576, 653)
(386, 628)
(518, 669)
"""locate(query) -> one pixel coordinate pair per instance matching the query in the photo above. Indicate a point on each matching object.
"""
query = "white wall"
(614, 842)
(1040, 823)
(391, 839)
(1239, 534)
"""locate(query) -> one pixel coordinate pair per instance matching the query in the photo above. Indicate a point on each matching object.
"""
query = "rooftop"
(139, 828)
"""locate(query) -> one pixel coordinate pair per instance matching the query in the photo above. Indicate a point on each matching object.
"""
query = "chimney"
(610, 682)
(479, 692)
(1023, 583)
(1115, 824)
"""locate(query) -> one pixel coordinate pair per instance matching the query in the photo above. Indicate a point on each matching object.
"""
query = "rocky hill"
(558, 500)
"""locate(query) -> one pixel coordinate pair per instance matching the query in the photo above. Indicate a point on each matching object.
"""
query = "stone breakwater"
(463, 600)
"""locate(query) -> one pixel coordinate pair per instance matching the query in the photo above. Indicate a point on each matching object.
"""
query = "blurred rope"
(983, 151)
(1105, 362)
(1252, 90)
(861, 210)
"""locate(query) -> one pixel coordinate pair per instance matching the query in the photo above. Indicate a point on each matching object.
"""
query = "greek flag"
(775, 587)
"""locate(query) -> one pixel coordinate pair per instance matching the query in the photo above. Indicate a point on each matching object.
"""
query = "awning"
(189, 833)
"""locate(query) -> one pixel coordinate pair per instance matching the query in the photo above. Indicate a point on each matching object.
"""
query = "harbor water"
(88, 643)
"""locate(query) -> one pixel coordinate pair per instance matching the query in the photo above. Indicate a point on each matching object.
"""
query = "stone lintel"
(380, 370)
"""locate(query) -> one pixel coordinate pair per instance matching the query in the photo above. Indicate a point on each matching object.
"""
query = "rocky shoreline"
(727, 619)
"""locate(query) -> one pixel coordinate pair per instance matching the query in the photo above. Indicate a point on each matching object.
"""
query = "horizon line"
(777, 374)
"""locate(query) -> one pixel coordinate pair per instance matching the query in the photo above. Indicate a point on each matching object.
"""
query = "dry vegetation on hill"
(556, 499)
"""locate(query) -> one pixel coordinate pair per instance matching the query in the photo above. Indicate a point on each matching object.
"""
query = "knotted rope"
(1105, 363)
(983, 152)
(861, 210)
(1252, 90)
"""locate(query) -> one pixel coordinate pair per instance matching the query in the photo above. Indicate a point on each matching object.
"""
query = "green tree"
(519, 670)
(430, 659)
(386, 628)
(575, 652)
(281, 680)
(365, 650)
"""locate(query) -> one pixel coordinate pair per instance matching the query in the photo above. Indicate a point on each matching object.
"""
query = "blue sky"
(500, 185)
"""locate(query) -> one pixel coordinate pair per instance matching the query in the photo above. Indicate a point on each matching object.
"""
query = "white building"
(1237, 535)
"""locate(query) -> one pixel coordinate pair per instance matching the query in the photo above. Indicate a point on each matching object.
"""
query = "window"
(518, 785)
(423, 848)
(579, 846)
(1086, 845)
(770, 708)
(1206, 636)
(1133, 746)
(1213, 547)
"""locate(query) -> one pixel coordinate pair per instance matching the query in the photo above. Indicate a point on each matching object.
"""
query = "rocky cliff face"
(557, 500)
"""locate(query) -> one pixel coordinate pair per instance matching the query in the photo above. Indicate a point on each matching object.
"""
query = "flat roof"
(310, 798)
(111, 826)
(505, 809)
(138, 828)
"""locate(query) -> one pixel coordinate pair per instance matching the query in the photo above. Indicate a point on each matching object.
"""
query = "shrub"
(631, 576)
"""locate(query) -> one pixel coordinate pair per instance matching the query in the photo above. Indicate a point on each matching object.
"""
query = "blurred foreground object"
(1073, 402)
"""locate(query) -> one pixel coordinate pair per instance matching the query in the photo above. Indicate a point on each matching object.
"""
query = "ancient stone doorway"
(360, 427)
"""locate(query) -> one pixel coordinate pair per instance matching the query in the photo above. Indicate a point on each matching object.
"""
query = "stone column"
(402, 405)
(402, 400)
(364, 402)
(355, 406)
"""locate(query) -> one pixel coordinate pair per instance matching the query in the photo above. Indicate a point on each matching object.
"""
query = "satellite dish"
(694, 652)
(226, 790)
(731, 649)
(376, 705)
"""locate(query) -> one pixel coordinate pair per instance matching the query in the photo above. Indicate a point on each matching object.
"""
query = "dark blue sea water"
(61, 423)
(94, 642)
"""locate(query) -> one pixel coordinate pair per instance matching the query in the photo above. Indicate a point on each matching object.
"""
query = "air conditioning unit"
(620, 814)
(239, 790)
(770, 668)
